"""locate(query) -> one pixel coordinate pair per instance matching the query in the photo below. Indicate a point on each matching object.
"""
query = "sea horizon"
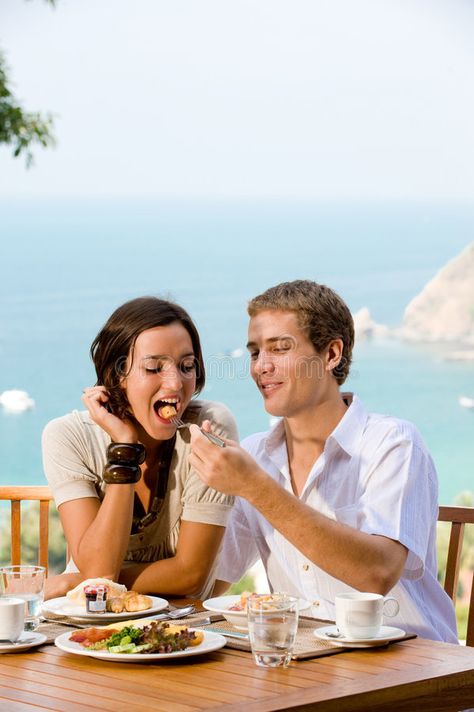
(68, 262)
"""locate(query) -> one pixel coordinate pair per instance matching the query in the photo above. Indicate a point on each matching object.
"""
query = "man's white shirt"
(374, 475)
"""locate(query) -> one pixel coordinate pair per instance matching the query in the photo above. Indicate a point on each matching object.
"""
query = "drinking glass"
(272, 628)
(26, 582)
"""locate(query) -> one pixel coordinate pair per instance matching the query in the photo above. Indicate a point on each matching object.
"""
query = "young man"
(333, 498)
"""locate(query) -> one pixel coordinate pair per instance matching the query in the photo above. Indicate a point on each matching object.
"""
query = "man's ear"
(334, 353)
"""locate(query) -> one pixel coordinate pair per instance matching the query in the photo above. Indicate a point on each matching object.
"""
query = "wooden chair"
(17, 495)
(459, 517)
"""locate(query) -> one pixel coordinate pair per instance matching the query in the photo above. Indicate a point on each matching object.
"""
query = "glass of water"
(26, 582)
(273, 622)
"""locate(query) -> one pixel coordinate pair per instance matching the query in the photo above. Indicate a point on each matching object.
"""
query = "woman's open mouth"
(167, 408)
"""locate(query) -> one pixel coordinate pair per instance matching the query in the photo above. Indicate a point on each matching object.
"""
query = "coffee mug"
(12, 618)
(359, 615)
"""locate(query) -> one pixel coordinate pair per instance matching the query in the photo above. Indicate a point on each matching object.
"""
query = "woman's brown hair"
(115, 341)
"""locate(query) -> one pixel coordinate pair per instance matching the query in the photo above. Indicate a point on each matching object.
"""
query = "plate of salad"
(155, 640)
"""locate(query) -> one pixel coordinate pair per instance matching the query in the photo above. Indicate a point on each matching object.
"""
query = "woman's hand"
(121, 431)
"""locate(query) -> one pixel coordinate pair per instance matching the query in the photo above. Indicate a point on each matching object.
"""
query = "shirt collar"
(275, 447)
(347, 433)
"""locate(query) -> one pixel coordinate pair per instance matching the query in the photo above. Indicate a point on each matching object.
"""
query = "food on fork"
(167, 412)
(167, 408)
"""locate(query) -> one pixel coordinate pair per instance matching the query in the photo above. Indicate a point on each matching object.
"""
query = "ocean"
(67, 263)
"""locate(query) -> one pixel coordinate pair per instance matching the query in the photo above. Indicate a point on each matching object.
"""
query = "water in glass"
(272, 632)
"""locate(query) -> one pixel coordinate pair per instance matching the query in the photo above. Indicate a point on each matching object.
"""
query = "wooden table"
(411, 675)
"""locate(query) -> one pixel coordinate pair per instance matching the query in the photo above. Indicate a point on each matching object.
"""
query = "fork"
(210, 436)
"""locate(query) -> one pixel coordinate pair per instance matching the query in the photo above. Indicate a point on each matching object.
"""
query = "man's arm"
(366, 562)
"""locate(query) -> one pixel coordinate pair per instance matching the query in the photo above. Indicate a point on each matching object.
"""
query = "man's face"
(288, 371)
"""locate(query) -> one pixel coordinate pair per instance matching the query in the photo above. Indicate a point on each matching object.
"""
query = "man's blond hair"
(321, 314)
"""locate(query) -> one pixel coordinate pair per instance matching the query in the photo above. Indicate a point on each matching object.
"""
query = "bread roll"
(115, 604)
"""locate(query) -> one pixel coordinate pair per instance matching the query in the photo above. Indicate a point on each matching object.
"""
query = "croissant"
(136, 602)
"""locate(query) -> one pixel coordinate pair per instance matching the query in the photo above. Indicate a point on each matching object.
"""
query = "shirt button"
(305, 567)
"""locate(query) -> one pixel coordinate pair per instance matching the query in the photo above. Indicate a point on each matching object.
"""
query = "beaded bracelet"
(115, 474)
(126, 453)
(123, 463)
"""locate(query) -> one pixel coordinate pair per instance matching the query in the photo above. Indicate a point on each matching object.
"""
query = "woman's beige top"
(74, 455)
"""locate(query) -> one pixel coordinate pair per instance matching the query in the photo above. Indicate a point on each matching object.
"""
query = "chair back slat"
(16, 495)
(43, 534)
(15, 509)
(458, 517)
(454, 557)
(470, 619)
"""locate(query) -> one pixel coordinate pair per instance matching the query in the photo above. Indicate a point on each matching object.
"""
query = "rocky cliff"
(444, 310)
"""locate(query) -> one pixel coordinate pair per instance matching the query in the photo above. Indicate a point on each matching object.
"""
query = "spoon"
(175, 613)
(336, 634)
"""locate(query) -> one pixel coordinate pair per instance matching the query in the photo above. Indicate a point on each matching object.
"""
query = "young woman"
(131, 507)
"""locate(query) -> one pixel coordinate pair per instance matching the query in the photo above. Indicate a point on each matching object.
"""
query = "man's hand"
(230, 469)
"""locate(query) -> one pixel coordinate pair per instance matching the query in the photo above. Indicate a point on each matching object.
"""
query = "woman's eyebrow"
(158, 356)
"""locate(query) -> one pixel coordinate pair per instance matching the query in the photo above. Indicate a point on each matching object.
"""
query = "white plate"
(384, 636)
(63, 607)
(238, 619)
(31, 639)
(211, 642)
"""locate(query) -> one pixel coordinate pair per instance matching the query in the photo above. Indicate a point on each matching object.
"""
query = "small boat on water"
(466, 402)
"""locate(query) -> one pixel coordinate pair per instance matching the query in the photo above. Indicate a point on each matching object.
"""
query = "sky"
(318, 99)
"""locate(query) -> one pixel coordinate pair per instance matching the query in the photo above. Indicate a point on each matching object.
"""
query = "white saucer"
(384, 636)
(30, 639)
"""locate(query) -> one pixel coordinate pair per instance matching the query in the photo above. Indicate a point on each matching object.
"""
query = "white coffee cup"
(359, 615)
(12, 618)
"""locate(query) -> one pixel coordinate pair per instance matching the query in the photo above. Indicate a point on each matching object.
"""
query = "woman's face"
(161, 370)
